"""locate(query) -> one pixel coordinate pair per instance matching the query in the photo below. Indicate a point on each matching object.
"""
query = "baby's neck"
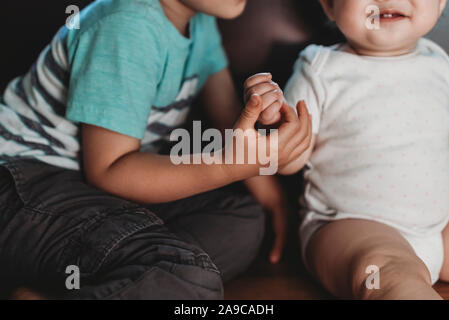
(354, 49)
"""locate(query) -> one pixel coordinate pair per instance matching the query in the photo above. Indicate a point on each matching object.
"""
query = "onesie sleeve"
(306, 85)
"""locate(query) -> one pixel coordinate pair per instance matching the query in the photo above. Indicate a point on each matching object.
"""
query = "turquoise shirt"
(127, 69)
(128, 61)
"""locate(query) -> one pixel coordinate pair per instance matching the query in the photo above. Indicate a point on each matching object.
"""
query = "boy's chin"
(231, 13)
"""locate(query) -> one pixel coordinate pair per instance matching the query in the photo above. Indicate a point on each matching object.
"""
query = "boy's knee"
(199, 282)
(252, 226)
(168, 281)
(171, 269)
(248, 223)
(246, 240)
(154, 266)
(256, 228)
(251, 233)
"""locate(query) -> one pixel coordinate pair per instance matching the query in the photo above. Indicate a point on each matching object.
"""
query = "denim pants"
(50, 218)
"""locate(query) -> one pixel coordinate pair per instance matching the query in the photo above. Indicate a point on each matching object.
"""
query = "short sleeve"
(115, 69)
(306, 85)
(216, 59)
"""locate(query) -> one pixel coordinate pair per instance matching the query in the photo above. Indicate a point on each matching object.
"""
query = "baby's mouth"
(391, 16)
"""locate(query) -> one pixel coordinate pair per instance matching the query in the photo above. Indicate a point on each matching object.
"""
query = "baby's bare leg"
(340, 252)
(444, 274)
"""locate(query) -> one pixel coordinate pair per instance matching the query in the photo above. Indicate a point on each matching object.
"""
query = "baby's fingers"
(272, 114)
(274, 97)
(256, 79)
(260, 89)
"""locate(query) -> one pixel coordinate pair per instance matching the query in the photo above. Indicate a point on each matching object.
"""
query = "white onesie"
(382, 148)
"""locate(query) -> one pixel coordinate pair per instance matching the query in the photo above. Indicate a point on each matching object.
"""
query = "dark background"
(26, 27)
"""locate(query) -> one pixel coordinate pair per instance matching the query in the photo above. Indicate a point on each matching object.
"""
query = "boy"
(101, 102)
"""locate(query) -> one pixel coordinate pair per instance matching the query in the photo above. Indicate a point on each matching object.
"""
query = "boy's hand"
(271, 94)
(294, 136)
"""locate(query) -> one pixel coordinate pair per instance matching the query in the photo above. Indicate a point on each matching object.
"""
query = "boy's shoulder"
(140, 7)
(134, 14)
(118, 19)
(100, 10)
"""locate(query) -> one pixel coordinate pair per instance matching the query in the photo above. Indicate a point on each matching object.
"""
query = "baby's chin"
(386, 46)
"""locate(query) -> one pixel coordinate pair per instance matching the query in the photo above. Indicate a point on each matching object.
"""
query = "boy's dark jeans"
(51, 219)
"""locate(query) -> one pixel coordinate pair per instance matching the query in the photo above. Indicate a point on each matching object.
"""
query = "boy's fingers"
(288, 113)
(257, 78)
(250, 114)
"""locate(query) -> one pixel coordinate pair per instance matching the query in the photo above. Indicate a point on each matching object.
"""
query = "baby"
(377, 194)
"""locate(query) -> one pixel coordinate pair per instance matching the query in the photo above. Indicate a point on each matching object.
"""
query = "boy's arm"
(113, 162)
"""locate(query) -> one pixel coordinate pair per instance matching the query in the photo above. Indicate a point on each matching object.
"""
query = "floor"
(286, 281)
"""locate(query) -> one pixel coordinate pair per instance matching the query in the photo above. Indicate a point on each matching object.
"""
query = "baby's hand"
(272, 96)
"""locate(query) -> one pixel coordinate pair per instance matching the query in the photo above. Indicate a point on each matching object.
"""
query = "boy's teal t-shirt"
(132, 72)
(126, 69)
